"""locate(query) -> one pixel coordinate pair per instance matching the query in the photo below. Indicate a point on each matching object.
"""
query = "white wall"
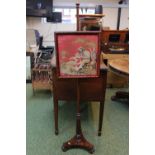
(90, 3)
(110, 18)
(124, 22)
(110, 8)
(47, 29)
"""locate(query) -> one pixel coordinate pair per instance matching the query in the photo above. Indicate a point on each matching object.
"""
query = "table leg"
(56, 116)
(100, 118)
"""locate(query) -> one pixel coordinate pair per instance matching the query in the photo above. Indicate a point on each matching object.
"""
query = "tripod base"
(78, 141)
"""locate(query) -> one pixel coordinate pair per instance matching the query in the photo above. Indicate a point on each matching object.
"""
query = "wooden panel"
(65, 89)
(90, 89)
(95, 88)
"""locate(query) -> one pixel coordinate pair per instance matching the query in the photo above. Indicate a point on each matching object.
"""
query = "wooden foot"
(121, 96)
(99, 133)
(33, 92)
(78, 141)
(56, 132)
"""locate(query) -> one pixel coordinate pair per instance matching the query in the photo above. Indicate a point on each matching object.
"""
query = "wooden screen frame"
(78, 33)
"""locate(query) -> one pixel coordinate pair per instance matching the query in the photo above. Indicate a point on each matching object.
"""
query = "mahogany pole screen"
(78, 54)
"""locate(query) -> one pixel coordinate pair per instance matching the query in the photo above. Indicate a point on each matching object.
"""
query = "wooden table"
(120, 67)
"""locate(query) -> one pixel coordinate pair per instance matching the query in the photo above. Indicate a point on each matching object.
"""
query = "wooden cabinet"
(92, 22)
(115, 41)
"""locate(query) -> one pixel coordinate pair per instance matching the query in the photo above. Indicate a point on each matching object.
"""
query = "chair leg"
(100, 118)
(56, 116)
(33, 92)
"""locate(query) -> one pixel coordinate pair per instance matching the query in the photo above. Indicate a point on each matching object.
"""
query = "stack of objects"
(41, 72)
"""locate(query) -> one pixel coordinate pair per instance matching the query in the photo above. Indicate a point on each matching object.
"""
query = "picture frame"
(77, 54)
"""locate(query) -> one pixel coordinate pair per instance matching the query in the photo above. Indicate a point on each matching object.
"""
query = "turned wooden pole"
(78, 119)
(77, 16)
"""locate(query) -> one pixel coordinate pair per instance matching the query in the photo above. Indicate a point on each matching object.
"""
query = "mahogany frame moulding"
(77, 46)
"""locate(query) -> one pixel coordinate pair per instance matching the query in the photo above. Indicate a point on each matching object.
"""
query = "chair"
(40, 61)
(33, 37)
(91, 89)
